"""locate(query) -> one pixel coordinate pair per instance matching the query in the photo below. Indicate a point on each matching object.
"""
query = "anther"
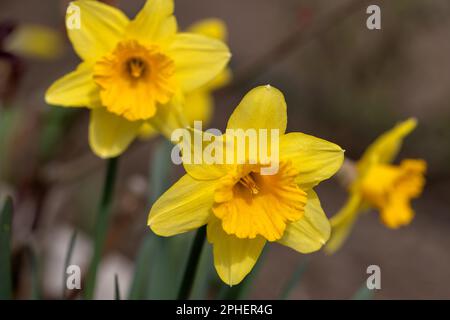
(136, 67)
(250, 184)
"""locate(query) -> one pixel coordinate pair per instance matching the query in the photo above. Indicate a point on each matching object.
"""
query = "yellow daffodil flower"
(381, 185)
(244, 209)
(133, 71)
(198, 104)
(34, 41)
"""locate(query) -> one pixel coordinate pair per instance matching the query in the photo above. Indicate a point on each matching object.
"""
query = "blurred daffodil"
(19, 41)
(198, 104)
(34, 41)
(133, 71)
(244, 209)
(381, 185)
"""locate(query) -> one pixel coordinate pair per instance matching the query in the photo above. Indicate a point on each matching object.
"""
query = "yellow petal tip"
(408, 125)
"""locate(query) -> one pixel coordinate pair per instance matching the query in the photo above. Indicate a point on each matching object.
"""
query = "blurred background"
(342, 82)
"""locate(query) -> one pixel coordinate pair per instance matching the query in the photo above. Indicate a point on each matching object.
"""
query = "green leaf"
(294, 279)
(57, 120)
(5, 249)
(364, 293)
(167, 266)
(9, 120)
(190, 270)
(101, 226)
(160, 168)
(161, 284)
(205, 274)
(140, 281)
(35, 275)
(153, 277)
(167, 253)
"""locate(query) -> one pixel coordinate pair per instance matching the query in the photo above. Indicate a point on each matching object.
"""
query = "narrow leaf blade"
(294, 280)
(5, 250)
(363, 293)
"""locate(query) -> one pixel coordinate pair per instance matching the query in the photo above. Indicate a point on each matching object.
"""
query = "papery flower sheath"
(133, 71)
(381, 185)
(244, 209)
(198, 104)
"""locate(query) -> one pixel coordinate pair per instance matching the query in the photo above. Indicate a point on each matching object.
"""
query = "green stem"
(101, 226)
(363, 293)
(35, 284)
(294, 280)
(191, 267)
(5, 250)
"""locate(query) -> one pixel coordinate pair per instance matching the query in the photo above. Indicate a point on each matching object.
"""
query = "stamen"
(135, 67)
(250, 184)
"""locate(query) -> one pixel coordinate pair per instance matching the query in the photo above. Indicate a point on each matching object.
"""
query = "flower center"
(250, 204)
(136, 67)
(250, 184)
(134, 79)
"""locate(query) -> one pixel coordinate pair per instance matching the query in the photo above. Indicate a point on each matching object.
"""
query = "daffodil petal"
(198, 59)
(35, 41)
(234, 258)
(397, 214)
(185, 206)
(155, 22)
(101, 28)
(109, 134)
(315, 159)
(169, 116)
(312, 231)
(76, 89)
(198, 106)
(342, 223)
(212, 27)
(263, 107)
(194, 160)
(385, 148)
